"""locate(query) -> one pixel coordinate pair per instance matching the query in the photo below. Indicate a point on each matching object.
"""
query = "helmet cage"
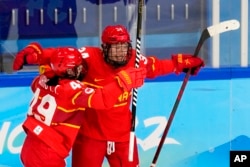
(110, 57)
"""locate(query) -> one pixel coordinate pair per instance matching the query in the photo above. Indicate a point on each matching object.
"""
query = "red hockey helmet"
(68, 62)
(115, 34)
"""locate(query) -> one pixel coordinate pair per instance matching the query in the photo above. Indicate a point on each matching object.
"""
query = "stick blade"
(222, 27)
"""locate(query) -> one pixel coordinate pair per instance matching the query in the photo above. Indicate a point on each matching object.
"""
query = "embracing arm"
(32, 54)
(101, 98)
(122, 84)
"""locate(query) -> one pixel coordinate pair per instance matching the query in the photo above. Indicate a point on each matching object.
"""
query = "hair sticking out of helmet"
(116, 45)
(68, 63)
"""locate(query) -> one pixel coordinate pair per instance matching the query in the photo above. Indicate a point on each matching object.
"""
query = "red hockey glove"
(29, 55)
(131, 78)
(184, 62)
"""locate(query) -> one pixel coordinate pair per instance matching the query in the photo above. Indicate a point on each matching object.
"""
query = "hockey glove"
(131, 78)
(184, 62)
(48, 83)
(43, 81)
(29, 55)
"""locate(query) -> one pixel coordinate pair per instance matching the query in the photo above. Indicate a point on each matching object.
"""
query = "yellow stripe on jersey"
(70, 125)
(121, 104)
(75, 96)
(66, 124)
(89, 100)
(93, 85)
(71, 110)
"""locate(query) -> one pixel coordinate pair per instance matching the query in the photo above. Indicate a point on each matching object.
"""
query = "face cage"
(116, 64)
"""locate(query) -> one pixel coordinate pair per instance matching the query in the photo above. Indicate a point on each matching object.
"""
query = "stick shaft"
(206, 33)
(203, 37)
(137, 60)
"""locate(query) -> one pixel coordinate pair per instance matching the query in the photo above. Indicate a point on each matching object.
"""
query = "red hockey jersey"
(56, 112)
(114, 124)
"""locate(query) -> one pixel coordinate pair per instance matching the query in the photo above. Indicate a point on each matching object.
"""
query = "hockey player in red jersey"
(56, 110)
(105, 132)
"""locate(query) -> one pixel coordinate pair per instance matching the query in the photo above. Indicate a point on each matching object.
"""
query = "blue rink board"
(212, 118)
(25, 78)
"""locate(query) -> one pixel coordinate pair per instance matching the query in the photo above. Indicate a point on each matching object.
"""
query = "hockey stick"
(206, 33)
(134, 98)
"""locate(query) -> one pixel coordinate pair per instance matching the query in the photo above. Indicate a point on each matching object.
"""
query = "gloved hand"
(184, 62)
(29, 55)
(131, 78)
(43, 81)
(48, 83)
